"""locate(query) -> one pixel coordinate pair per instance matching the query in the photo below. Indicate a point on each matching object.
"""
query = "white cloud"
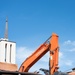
(72, 50)
(60, 54)
(22, 53)
(66, 59)
(69, 46)
(69, 42)
(68, 62)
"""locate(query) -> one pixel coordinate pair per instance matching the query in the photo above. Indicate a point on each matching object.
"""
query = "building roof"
(16, 73)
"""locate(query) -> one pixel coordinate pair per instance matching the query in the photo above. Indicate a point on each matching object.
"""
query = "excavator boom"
(31, 60)
(50, 45)
(54, 52)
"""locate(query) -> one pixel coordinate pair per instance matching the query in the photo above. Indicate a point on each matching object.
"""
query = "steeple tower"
(6, 30)
(7, 52)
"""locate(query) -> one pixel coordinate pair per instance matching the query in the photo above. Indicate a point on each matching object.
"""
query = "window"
(5, 52)
(10, 51)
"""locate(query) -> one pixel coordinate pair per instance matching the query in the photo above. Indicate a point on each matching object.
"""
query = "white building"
(7, 52)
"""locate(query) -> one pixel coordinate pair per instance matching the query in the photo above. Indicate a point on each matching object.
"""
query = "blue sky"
(31, 22)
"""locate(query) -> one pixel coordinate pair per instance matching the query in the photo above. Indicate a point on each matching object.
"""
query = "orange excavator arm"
(51, 46)
(54, 52)
(31, 60)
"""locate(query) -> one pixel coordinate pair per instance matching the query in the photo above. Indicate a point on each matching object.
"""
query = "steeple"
(7, 51)
(6, 29)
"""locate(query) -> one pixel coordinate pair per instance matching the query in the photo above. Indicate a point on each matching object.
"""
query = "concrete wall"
(8, 67)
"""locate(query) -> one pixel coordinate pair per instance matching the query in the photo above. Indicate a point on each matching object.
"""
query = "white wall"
(8, 53)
